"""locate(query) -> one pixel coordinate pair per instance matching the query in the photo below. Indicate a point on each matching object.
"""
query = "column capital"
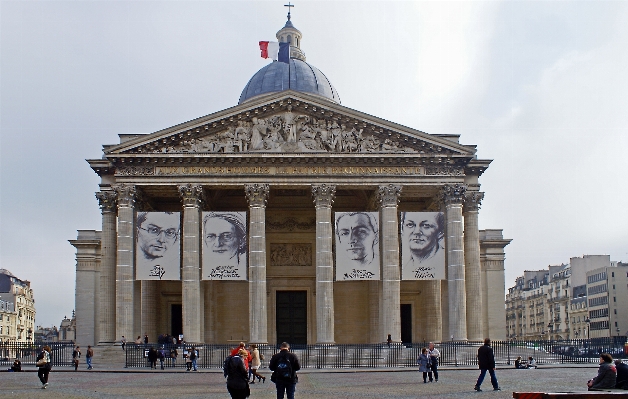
(256, 194)
(388, 196)
(451, 194)
(323, 194)
(473, 200)
(127, 195)
(191, 195)
(107, 200)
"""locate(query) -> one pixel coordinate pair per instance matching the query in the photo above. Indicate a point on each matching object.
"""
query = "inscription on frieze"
(291, 254)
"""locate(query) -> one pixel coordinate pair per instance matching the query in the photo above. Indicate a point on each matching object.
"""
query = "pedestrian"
(44, 362)
(531, 363)
(162, 357)
(519, 363)
(486, 362)
(173, 357)
(434, 355)
(606, 375)
(88, 357)
(389, 340)
(237, 350)
(424, 364)
(138, 341)
(284, 366)
(237, 376)
(123, 342)
(256, 362)
(622, 375)
(17, 365)
(145, 340)
(152, 358)
(188, 361)
(76, 354)
(193, 358)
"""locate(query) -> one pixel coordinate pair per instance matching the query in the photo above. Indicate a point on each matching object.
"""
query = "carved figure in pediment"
(242, 136)
(258, 132)
(290, 127)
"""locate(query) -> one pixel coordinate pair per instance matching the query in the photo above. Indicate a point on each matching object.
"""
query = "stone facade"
(17, 308)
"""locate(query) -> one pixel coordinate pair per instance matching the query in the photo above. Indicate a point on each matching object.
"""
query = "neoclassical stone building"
(288, 160)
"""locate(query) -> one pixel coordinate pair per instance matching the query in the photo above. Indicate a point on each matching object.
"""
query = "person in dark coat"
(238, 376)
(44, 370)
(622, 375)
(424, 364)
(17, 365)
(486, 362)
(152, 358)
(284, 384)
(606, 374)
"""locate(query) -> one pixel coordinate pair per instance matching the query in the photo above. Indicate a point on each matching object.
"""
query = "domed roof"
(298, 76)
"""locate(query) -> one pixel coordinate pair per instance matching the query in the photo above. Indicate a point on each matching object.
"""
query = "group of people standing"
(428, 363)
(76, 355)
(243, 364)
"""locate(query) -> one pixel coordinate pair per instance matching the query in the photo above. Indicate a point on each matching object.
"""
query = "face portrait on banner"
(357, 246)
(224, 246)
(423, 245)
(158, 251)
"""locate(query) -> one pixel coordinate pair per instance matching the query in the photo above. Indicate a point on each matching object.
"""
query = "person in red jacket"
(246, 359)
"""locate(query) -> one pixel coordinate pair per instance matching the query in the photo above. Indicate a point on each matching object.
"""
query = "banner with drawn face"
(224, 246)
(422, 245)
(357, 246)
(158, 249)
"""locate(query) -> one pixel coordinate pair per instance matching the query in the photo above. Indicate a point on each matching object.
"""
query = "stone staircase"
(108, 357)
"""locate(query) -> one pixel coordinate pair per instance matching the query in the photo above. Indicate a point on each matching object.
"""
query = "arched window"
(290, 39)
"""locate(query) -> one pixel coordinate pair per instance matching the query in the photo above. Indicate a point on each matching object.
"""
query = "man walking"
(88, 357)
(76, 354)
(486, 362)
(434, 355)
(284, 366)
(123, 342)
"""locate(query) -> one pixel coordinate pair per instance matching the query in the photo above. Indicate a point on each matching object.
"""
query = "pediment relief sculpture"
(290, 132)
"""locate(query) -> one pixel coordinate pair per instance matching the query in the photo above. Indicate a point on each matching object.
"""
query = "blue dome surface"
(297, 76)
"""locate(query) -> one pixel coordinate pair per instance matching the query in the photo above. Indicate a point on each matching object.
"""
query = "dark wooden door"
(176, 320)
(291, 321)
(406, 323)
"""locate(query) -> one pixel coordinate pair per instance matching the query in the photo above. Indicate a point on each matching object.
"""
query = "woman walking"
(237, 376)
(424, 364)
(43, 362)
(255, 363)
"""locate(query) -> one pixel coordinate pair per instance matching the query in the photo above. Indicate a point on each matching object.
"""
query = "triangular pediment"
(289, 122)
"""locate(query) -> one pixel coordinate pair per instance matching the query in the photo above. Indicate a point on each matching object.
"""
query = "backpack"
(162, 354)
(284, 369)
(225, 365)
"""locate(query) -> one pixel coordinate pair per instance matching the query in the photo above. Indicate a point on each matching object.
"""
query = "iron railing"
(61, 352)
(453, 353)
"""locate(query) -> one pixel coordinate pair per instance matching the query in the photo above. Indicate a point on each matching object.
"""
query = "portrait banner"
(357, 246)
(224, 246)
(422, 245)
(158, 249)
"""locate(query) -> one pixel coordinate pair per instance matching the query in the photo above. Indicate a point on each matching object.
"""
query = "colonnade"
(118, 294)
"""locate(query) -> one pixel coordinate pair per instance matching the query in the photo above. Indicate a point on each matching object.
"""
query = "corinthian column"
(452, 196)
(323, 199)
(125, 272)
(257, 195)
(107, 321)
(193, 315)
(473, 275)
(391, 284)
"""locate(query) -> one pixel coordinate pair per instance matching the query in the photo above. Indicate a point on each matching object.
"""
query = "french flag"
(275, 51)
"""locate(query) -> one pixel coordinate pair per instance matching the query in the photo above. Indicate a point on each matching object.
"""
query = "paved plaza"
(454, 383)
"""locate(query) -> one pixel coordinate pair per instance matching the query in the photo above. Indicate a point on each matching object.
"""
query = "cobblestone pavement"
(158, 384)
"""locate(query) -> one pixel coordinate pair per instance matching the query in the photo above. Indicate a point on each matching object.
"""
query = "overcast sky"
(540, 87)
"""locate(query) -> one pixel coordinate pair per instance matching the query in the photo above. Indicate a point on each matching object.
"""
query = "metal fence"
(456, 354)
(61, 353)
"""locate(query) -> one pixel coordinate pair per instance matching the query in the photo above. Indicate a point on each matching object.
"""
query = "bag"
(225, 365)
(261, 356)
(284, 369)
(41, 362)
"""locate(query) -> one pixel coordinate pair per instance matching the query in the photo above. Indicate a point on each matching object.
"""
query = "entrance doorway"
(176, 320)
(406, 323)
(291, 320)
